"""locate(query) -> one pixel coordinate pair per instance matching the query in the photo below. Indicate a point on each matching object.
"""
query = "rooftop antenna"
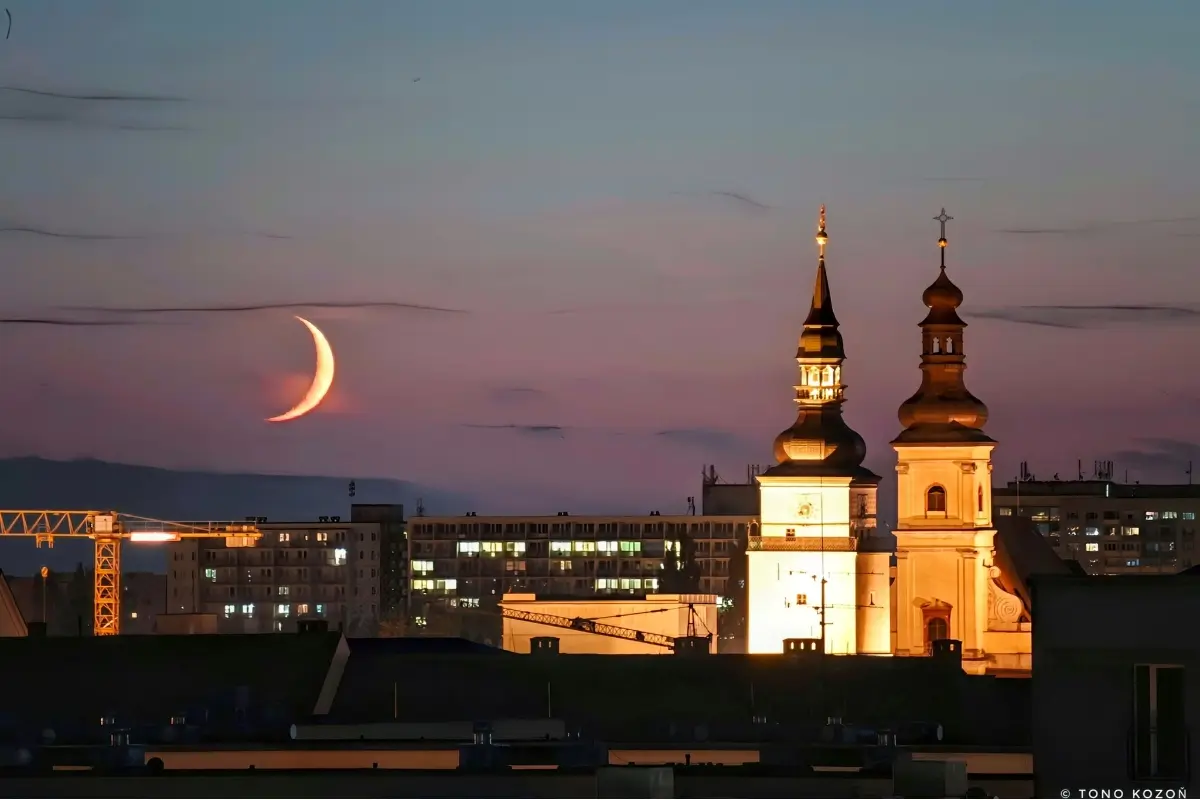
(353, 488)
(692, 506)
(1079, 469)
(420, 507)
(1189, 473)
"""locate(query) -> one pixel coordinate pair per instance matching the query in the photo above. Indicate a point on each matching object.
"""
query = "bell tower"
(944, 534)
(803, 565)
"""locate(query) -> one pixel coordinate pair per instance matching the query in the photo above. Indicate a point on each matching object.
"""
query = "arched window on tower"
(980, 499)
(935, 499)
(937, 345)
(949, 345)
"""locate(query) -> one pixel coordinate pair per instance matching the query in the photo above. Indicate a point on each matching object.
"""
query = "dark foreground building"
(256, 687)
(406, 706)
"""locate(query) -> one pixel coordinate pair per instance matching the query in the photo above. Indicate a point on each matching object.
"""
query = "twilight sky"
(564, 173)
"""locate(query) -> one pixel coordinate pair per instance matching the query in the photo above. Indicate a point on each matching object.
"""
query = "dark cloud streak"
(1092, 316)
(528, 430)
(106, 97)
(745, 200)
(87, 237)
(703, 438)
(243, 309)
(1093, 228)
(70, 323)
(23, 104)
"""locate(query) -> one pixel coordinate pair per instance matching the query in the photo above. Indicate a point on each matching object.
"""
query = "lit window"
(248, 609)
(210, 573)
(421, 567)
(468, 602)
(422, 585)
(322, 536)
(1131, 530)
(650, 583)
(447, 585)
(468, 548)
(608, 548)
(561, 548)
(284, 538)
(320, 609)
(339, 556)
(585, 547)
(604, 584)
(1151, 515)
(283, 609)
(631, 547)
(302, 608)
(1005, 511)
(1170, 515)
(493, 548)
(1189, 515)
(229, 611)
(1133, 562)
(1091, 530)
(1092, 547)
(284, 591)
(631, 583)
(515, 548)
(133, 615)
(801, 599)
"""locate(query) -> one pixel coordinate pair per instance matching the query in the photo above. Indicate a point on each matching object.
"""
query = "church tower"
(817, 504)
(944, 534)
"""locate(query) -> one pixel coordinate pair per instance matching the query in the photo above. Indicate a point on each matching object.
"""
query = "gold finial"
(943, 218)
(822, 237)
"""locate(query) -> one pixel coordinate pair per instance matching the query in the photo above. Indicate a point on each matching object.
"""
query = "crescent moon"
(322, 380)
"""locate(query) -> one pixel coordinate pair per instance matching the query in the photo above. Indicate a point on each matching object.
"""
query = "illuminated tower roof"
(820, 442)
(942, 410)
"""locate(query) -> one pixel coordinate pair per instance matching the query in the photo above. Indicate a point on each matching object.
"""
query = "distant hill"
(186, 495)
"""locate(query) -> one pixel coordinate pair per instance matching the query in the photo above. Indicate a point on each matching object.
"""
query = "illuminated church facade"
(816, 575)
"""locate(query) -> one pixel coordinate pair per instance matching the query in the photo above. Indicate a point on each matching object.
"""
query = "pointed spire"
(821, 310)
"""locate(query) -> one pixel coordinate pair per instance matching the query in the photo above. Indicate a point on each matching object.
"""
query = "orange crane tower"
(108, 529)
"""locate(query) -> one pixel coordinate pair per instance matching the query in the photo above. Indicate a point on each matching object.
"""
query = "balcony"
(841, 544)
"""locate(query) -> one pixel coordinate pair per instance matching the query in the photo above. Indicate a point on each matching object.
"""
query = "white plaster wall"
(775, 580)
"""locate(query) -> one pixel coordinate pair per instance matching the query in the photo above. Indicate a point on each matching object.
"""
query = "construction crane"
(108, 529)
(605, 629)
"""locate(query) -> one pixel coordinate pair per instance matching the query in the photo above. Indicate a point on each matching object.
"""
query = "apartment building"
(328, 569)
(393, 553)
(1110, 528)
(458, 561)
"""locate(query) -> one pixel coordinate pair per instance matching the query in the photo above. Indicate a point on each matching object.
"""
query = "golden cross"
(822, 237)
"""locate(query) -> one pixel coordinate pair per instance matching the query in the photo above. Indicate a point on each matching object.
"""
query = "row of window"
(281, 609)
(541, 529)
(1052, 514)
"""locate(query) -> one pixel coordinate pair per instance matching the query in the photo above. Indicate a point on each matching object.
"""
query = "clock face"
(808, 507)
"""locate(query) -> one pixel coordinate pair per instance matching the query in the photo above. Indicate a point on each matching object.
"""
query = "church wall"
(785, 597)
(874, 624)
(941, 575)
